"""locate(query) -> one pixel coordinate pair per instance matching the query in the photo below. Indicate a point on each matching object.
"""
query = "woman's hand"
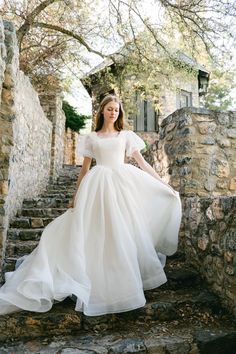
(145, 166)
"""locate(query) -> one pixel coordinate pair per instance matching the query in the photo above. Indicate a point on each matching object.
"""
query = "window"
(146, 118)
(185, 99)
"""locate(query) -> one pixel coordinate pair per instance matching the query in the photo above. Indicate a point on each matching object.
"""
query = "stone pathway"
(182, 316)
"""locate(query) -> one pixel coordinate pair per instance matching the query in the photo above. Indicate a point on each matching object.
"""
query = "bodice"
(109, 150)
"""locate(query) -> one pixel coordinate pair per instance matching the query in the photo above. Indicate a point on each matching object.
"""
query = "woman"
(111, 243)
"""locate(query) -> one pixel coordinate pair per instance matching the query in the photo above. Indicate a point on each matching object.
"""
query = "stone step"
(58, 194)
(20, 248)
(43, 202)
(184, 277)
(60, 188)
(41, 212)
(25, 222)
(9, 264)
(172, 315)
(148, 339)
(179, 279)
(180, 317)
(24, 234)
(66, 180)
(70, 172)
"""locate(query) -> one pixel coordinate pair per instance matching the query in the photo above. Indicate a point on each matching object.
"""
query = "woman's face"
(111, 112)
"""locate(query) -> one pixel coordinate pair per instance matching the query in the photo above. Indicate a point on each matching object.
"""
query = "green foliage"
(74, 120)
(145, 72)
(221, 85)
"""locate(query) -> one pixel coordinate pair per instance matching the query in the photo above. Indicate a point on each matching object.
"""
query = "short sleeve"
(133, 143)
(85, 146)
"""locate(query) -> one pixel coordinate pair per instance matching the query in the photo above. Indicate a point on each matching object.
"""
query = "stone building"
(146, 121)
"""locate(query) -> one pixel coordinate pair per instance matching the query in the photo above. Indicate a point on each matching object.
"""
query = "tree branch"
(68, 33)
(24, 29)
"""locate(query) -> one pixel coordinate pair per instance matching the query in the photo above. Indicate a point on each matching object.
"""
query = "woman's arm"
(145, 166)
(84, 169)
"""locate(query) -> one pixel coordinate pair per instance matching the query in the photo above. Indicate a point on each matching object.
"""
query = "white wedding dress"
(110, 247)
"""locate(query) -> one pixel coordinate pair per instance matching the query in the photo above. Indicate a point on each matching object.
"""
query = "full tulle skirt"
(105, 251)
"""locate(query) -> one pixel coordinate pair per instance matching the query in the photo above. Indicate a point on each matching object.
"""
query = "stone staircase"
(26, 228)
(182, 316)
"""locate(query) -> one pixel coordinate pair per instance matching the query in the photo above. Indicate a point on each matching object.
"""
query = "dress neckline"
(108, 136)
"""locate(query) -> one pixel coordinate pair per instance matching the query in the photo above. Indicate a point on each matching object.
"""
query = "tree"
(221, 84)
(53, 34)
(74, 120)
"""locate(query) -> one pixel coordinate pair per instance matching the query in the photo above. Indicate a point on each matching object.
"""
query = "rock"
(170, 127)
(209, 214)
(216, 250)
(222, 184)
(228, 256)
(169, 149)
(229, 270)
(164, 311)
(20, 223)
(207, 127)
(230, 240)
(3, 187)
(170, 137)
(217, 210)
(185, 131)
(207, 141)
(226, 204)
(220, 168)
(217, 342)
(185, 120)
(210, 185)
(37, 223)
(232, 185)
(183, 160)
(128, 346)
(223, 118)
(223, 143)
(231, 133)
(185, 170)
(183, 277)
(203, 242)
(75, 351)
(185, 146)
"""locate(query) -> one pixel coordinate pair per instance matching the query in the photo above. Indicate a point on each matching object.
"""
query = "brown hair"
(119, 123)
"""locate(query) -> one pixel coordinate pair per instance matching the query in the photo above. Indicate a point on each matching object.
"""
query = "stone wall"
(51, 103)
(30, 155)
(25, 135)
(209, 225)
(196, 155)
(2, 55)
(148, 137)
(70, 155)
(200, 146)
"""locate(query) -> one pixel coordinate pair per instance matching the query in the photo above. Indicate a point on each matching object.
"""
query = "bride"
(111, 243)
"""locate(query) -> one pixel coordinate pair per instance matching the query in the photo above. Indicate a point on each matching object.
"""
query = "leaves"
(221, 84)
(66, 35)
(74, 120)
